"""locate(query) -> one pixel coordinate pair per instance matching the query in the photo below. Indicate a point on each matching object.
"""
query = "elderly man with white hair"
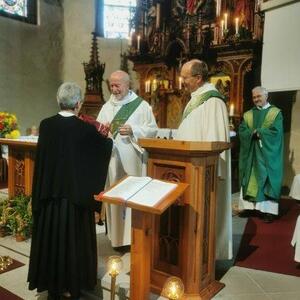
(129, 117)
(261, 157)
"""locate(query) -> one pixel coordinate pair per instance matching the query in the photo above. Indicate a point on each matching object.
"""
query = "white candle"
(148, 83)
(231, 110)
(146, 86)
(222, 28)
(236, 25)
(218, 8)
(129, 39)
(138, 42)
(225, 22)
(154, 85)
(157, 15)
(180, 83)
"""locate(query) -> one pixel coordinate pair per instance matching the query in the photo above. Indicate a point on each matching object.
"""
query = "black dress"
(70, 167)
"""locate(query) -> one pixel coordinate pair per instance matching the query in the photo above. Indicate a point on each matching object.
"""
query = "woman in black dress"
(70, 167)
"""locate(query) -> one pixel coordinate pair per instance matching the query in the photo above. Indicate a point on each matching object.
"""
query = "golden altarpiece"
(227, 35)
(224, 33)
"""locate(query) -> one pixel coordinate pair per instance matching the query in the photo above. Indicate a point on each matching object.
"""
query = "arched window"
(117, 15)
(22, 10)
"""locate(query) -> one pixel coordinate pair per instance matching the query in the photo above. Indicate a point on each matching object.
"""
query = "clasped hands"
(255, 135)
(104, 129)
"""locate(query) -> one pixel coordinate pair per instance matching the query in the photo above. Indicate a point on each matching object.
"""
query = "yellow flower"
(13, 135)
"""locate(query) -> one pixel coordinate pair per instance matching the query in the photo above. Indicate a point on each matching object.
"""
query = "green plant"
(5, 213)
(17, 216)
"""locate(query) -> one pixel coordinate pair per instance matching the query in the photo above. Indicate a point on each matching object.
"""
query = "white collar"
(128, 98)
(264, 107)
(65, 113)
(203, 88)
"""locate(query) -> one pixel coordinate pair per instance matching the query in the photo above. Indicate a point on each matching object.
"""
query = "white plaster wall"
(79, 20)
(30, 65)
(292, 149)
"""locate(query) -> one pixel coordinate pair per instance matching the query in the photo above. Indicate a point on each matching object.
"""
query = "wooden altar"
(183, 238)
(21, 155)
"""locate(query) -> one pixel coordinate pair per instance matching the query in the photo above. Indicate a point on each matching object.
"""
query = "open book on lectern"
(143, 193)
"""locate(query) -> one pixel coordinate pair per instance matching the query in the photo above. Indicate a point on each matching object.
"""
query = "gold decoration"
(173, 288)
(5, 262)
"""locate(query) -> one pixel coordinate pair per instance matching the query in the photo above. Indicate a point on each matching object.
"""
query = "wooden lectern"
(141, 238)
(183, 237)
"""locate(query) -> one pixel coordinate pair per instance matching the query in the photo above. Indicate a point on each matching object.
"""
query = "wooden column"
(141, 238)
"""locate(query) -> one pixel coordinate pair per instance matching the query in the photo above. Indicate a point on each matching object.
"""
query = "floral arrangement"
(8, 126)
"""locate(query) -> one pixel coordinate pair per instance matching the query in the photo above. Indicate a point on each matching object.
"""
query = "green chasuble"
(261, 159)
(198, 100)
(123, 115)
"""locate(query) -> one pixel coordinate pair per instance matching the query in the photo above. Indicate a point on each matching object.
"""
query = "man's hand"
(104, 129)
(125, 130)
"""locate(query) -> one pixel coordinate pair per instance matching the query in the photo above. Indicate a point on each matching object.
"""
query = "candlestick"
(236, 25)
(157, 15)
(231, 110)
(225, 21)
(138, 42)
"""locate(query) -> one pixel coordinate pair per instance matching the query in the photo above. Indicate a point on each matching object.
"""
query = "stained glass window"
(23, 10)
(116, 18)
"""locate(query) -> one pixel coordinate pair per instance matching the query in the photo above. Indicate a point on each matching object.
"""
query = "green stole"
(252, 188)
(123, 115)
(200, 100)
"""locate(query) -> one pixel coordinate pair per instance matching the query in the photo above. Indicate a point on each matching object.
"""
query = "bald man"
(130, 118)
(205, 118)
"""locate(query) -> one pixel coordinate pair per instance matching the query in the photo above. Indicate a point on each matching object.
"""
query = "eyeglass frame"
(185, 78)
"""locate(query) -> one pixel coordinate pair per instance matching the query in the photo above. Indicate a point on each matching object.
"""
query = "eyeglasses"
(191, 76)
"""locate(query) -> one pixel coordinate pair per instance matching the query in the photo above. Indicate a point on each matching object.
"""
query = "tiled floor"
(240, 283)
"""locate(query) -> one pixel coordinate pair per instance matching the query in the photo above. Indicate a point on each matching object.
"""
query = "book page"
(153, 192)
(128, 187)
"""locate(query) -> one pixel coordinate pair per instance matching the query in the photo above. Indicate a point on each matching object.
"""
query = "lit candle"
(149, 83)
(236, 25)
(225, 22)
(222, 28)
(231, 110)
(180, 83)
(157, 15)
(154, 85)
(138, 42)
(146, 86)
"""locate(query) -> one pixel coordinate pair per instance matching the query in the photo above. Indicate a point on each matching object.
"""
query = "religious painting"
(222, 83)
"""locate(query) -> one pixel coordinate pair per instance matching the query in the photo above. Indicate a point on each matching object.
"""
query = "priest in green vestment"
(261, 157)
(205, 118)
(130, 118)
